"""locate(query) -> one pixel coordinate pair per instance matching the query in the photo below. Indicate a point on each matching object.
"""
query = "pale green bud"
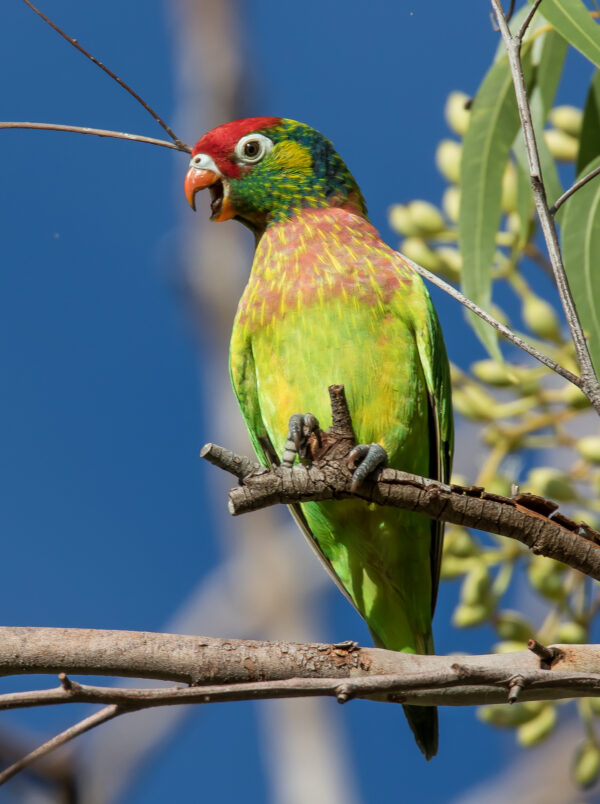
(545, 575)
(451, 202)
(571, 634)
(457, 112)
(499, 485)
(447, 159)
(510, 715)
(453, 567)
(540, 317)
(594, 704)
(562, 146)
(491, 372)
(401, 220)
(474, 403)
(537, 729)
(509, 646)
(451, 262)
(509, 188)
(546, 481)
(468, 616)
(512, 625)
(589, 448)
(476, 586)
(427, 218)
(586, 765)
(417, 249)
(513, 223)
(567, 119)
(574, 397)
(458, 542)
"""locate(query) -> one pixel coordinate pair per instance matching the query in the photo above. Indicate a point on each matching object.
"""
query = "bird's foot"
(364, 459)
(300, 427)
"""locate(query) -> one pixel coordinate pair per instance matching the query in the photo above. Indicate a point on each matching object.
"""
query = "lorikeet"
(328, 302)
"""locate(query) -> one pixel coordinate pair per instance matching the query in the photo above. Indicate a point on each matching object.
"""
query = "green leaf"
(486, 146)
(548, 57)
(589, 143)
(524, 206)
(572, 20)
(581, 252)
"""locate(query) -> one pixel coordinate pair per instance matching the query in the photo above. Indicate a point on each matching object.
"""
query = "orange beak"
(196, 180)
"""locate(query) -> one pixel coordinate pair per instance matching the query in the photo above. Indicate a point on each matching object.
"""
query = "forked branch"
(234, 670)
(181, 146)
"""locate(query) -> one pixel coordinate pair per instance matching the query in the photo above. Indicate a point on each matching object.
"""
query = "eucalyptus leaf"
(572, 19)
(589, 142)
(486, 146)
(581, 253)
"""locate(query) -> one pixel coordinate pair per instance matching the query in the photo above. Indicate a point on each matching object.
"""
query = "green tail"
(423, 721)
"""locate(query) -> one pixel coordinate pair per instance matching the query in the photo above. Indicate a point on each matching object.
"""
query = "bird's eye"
(252, 148)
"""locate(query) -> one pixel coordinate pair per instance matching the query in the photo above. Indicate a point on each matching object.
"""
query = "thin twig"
(181, 146)
(98, 132)
(505, 331)
(108, 713)
(568, 193)
(527, 20)
(513, 47)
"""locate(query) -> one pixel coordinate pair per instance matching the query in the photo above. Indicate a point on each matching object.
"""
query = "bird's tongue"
(216, 197)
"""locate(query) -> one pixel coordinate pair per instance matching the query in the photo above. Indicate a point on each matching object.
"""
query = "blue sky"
(104, 519)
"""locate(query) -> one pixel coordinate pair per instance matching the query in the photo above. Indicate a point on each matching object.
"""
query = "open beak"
(196, 180)
(203, 173)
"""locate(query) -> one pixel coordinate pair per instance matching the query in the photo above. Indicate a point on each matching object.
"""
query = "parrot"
(329, 302)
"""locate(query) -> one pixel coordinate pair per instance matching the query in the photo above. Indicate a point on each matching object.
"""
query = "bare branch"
(513, 48)
(181, 146)
(235, 670)
(527, 21)
(505, 331)
(573, 189)
(60, 739)
(98, 132)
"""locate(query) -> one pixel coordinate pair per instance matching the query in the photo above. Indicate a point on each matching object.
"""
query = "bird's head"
(262, 170)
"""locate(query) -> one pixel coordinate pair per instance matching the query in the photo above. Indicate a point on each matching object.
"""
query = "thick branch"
(513, 48)
(98, 132)
(231, 670)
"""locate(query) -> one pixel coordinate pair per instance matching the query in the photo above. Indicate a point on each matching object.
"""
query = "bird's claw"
(364, 459)
(300, 427)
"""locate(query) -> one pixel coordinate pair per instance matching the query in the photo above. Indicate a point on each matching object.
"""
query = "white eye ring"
(252, 148)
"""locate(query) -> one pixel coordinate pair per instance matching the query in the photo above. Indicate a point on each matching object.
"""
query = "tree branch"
(513, 48)
(573, 189)
(505, 331)
(234, 669)
(108, 713)
(99, 132)
(531, 520)
(181, 146)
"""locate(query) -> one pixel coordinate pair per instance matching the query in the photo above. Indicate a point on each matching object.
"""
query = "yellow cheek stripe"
(291, 156)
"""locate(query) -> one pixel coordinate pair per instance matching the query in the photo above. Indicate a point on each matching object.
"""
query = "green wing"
(432, 354)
